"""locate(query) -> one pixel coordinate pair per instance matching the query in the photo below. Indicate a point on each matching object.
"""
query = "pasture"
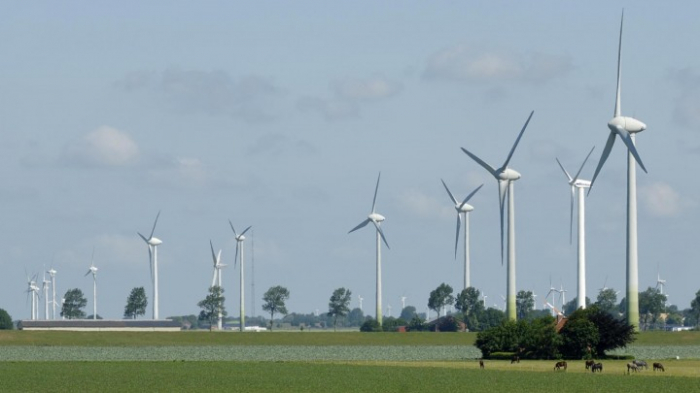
(306, 361)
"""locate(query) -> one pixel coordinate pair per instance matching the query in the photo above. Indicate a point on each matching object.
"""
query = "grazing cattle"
(598, 367)
(515, 359)
(641, 364)
(560, 365)
(589, 363)
(659, 366)
(481, 364)
(631, 366)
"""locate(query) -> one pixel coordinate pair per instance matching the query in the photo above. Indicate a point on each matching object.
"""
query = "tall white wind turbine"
(93, 270)
(660, 284)
(33, 291)
(153, 243)
(505, 177)
(376, 218)
(577, 187)
(52, 273)
(45, 287)
(463, 208)
(239, 245)
(360, 299)
(217, 280)
(626, 128)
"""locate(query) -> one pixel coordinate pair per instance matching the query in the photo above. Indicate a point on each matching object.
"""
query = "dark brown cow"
(589, 363)
(632, 367)
(515, 359)
(598, 367)
(481, 364)
(659, 366)
(560, 365)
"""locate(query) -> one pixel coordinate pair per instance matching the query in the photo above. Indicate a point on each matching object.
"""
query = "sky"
(281, 115)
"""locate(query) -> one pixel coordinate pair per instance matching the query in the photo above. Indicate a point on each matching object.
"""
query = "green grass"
(326, 377)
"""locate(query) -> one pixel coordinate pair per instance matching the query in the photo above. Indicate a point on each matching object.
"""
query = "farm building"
(101, 325)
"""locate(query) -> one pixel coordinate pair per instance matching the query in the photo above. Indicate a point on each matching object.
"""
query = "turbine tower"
(239, 244)
(577, 187)
(93, 270)
(33, 291)
(218, 266)
(463, 208)
(627, 128)
(660, 284)
(403, 302)
(45, 286)
(52, 274)
(153, 243)
(360, 298)
(505, 177)
(376, 218)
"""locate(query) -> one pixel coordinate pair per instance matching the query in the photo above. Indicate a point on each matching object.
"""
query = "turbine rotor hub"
(154, 241)
(376, 217)
(509, 174)
(465, 209)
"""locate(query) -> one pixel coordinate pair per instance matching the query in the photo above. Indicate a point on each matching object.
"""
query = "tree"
(524, 303)
(5, 320)
(572, 305)
(408, 313)
(468, 301)
(695, 308)
(212, 306)
(651, 304)
(355, 318)
(136, 303)
(371, 325)
(607, 301)
(579, 337)
(338, 305)
(73, 304)
(440, 297)
(613, 332)
(274, 300)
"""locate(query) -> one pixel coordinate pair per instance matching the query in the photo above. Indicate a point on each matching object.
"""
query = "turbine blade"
(571, 216)
(481, 162)
(381, 233)
(449, 193)
(88, 272)
(154, 225)
(374, 201)
(459, 222)
(565, 172)
(235, 258)
(218, 259)
(233, 229)
(618, 110)
(584, 164)
(142, 237)
(606, 152)
(512, 150)
(360, 225)
(246, 230)
(502, 191)
(469, 196)
(627, 139)
(213, 256)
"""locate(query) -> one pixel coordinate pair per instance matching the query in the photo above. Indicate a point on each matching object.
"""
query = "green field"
(307, 361)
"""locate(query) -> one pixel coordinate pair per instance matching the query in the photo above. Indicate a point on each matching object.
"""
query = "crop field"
(329, 362)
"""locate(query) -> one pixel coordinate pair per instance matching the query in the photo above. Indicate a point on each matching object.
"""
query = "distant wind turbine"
(153, 243)
(33, 291)
(239, 244)
(505, 177)
(376, 218)
(660, 284)
(52, 273)
(93, 270)
(218, 267)
(626, 128)
(463, 208)
(360, 299)
(45, 285)
(577, 187)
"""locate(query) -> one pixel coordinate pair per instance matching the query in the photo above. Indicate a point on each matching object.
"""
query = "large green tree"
(572, 305)
(695, 308)
(468, 301)
(440, 297)
(408, 313)
(73, 304)
(136, 303)
(5, 320)
(274, 300)
(338, 306)
(524, 303)
(212, 306)
(607, 301)
(651, 304)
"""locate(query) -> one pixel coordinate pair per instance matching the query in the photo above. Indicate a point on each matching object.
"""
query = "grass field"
(308, 361)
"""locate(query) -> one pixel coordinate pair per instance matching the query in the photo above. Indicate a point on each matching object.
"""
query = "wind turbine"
(660, 284)
(33, 291)
(218, 266)
(577, 187)
(552, 289)
(153, 243)
(93, 270)
(626, 128)
(360, 299)
(239, 244)
(483, 300)
(52, 273)
(45, 285)
(463, 208)
(505, 177)
(376, 218)
(562, 296)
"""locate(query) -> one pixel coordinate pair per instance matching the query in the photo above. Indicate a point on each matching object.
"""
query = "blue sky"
(280, 115)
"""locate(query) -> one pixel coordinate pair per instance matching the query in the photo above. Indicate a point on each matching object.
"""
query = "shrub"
(5, 320)
(371, 325)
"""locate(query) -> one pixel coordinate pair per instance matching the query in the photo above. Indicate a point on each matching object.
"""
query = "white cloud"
(661, 200)
(106, 146)
(422, 205)
(466, 64)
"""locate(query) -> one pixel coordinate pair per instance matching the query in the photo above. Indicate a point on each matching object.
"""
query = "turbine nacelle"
(508, 174)
(629, 124)
(463, 208)
(376, 217)
(154, 241)
(579, 183)
(240, 238)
